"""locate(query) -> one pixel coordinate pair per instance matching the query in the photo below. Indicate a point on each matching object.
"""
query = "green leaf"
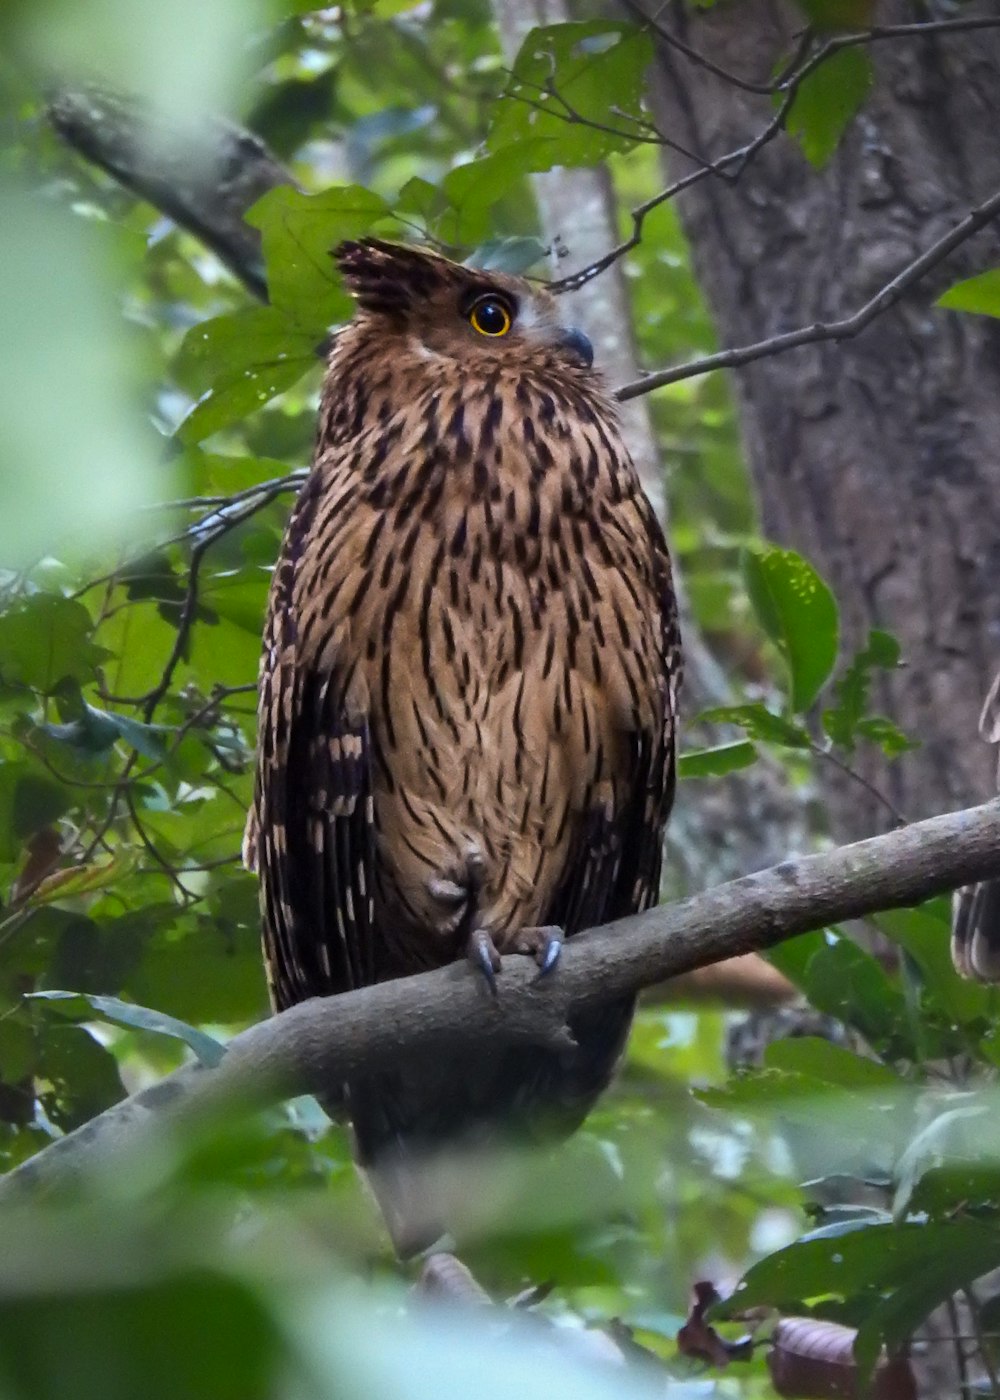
(79, 1078)
(218, 351)
(827, 100)
(564, 78)
(717, 761)
(845, 981)
(830, 16)
(915, 1266)
(232, 400)
(799, 614)
(474, 188)
(979, 294)
(924, 934)
(759, 723)
(831, 1064)
(851, 691)
(137, 1325)
(299, 232)
(96, 731)
(45, 639)
(125, 1013)
(889, 737)
(513, 255)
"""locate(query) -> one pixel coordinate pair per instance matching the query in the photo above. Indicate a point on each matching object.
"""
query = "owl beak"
(575, 343)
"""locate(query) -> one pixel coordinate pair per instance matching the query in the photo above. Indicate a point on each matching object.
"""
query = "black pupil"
(492, 318)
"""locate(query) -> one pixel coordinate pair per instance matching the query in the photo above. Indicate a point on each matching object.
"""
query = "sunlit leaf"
(798, 612)
(560, 86)
(980, 294)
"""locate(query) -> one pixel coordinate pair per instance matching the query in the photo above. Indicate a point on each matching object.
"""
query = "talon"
(482, 952)
(548, 954)
(544, 944)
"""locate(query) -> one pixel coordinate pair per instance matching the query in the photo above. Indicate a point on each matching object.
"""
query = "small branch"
(829, 756)
(877, 32)
(820, 331)
(309, 1050)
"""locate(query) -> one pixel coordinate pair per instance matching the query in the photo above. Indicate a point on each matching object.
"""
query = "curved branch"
(845, 329)
(327, 1040)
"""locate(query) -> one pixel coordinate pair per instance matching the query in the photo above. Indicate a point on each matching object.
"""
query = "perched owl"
(468, 693)
(975, 927)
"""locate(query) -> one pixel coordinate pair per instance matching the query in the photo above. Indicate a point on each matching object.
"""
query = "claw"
(549, 952)
(544, 944)
(482, 953)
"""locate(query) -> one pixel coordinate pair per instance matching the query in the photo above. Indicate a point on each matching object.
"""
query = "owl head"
(436, 308)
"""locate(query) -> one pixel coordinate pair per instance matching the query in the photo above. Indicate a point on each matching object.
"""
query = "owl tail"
(975, 931)
(400, 1175)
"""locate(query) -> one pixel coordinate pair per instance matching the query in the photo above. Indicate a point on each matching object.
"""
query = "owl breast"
(504, 631)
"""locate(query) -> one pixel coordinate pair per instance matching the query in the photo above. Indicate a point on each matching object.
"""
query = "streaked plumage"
(975, 928)
(468, 689)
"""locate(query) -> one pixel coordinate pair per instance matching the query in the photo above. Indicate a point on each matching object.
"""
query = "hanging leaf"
(979, 294)
(851, 691)
(125, 1013)
(798, 612)
(827, 100)
(716, 762)
(299, 231)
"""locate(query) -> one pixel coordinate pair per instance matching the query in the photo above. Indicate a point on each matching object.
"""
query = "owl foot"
(543, 943)
(482, 952)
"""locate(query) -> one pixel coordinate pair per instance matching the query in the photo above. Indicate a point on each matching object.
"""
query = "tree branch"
(323, 1042)
(831, 330)
(205, 178)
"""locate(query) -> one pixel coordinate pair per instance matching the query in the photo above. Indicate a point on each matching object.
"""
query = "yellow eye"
(490, 316)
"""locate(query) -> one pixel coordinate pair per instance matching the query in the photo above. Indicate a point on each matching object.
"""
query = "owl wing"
(310, 833)
(616, 868)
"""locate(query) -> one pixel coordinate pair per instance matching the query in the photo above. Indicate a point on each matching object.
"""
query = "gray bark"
(879, 459)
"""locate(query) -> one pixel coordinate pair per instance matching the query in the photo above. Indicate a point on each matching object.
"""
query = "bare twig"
(919, 29)
(731, 166)
(306, 1049)
(844, 329)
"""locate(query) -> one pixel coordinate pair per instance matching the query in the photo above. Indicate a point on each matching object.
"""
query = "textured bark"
(879, 459)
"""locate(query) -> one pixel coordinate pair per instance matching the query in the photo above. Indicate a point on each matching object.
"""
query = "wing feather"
(310, 832)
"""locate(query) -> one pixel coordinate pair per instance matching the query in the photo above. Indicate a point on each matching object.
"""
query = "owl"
(975, 925)
(468, 695)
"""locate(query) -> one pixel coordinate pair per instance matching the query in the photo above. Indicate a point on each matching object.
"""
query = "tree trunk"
(877, 458)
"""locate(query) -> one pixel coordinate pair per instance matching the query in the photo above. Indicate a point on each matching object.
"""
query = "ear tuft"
(390, 277)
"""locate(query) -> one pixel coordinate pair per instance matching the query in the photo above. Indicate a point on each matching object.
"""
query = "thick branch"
(322, 1042)
(204, 178)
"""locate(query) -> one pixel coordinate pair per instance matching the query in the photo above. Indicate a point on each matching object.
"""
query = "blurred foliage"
(158, 422)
